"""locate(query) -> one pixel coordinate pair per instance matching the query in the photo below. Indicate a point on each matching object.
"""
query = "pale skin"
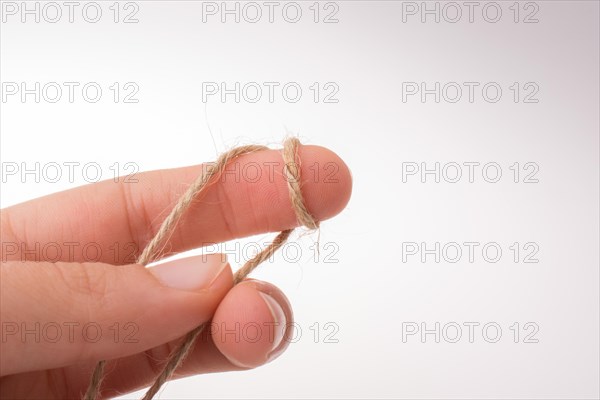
(141, 312)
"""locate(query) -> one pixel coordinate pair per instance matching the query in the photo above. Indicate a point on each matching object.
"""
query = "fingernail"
(192, 273)
(279, 319)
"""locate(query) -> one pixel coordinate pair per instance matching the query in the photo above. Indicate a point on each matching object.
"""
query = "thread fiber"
(152, 251)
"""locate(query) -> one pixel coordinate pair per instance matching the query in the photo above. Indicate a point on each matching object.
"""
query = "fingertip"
(252, 324)
(326, 180)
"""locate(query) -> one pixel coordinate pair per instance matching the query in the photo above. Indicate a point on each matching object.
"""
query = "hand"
(61, 312)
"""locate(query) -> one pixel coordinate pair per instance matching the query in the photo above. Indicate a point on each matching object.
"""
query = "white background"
(370, 293)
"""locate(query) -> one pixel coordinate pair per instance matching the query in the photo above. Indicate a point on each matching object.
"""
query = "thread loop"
(152, 251)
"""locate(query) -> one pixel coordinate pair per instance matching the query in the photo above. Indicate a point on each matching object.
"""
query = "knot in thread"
(154, 248)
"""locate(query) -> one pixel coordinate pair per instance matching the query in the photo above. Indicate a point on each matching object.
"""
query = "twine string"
(153, 250)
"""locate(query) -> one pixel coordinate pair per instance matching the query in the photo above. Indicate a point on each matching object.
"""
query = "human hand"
(61, 313)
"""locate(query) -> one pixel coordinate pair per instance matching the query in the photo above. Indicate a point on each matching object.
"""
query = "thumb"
(57, 314)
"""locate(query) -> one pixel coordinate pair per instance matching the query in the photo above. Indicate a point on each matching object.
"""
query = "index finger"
(116, 220)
